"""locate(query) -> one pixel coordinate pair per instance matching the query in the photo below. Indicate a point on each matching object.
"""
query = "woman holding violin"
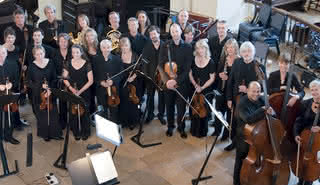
(8, 81)
(131, 92)
(41, 76)
(201, 75)
(305, 126)
(108, 80)
(80, 78)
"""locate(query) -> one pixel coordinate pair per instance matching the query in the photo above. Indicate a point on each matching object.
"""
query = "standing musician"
(183, 17)
(202, 75)
(107, 66)
(306, 118)
(80, 79)
(230, 54)
(113, 31)
(181, 54)
(144, 22)
(251, 110)
(278, 80)
(13, 62)
(51, 27)
(128, 84)
(137, 40)
(8, 81)
(189, 35)
(151, 52)
(41, 76)
(83, 24)
(244, 70)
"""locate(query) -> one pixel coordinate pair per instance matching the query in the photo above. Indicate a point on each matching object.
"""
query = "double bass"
(264, 164)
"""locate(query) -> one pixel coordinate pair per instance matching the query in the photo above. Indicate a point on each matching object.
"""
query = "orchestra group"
(115, 69)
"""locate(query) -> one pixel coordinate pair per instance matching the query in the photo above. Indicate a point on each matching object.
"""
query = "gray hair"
(315, 82)
(133, 19)
(50, 6)
(248, 45)
(202, 43)
(105, 41)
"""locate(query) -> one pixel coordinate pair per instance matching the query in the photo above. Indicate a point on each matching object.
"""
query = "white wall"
(43, 3)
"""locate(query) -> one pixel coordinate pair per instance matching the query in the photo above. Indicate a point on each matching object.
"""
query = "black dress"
(199, 126)
(35, 77)
(80, 78)
(132, 117)
(50, 32)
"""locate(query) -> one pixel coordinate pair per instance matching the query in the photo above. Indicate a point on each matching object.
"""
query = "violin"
(45, 99)
(307, 165)
(76, 107)
(132, 94)
(264, 164)
(198, 103)
(12, 107)
(171, 68)
(113, 97)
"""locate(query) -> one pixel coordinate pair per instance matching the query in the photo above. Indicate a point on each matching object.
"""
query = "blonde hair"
(231, 42)
(85, 42)
(85, 17)
(34, 50)
(202, 43)
(123, 41)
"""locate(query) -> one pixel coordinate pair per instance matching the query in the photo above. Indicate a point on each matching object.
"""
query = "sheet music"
(103, 167)
(108, 130)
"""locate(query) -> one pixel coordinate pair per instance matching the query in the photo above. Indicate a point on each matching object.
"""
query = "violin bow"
(131, 72)
(185, 112)
(145, 75)
(218, 115)
(184, 99)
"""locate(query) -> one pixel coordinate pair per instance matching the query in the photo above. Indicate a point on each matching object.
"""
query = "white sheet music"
(103, 166)
(108, 130)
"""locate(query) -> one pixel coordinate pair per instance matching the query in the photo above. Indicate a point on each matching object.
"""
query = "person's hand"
(298, 139)
(109, 83)
(199, 89)
(132, 78)
(292, 101)
(171, 84)
(315, 128)
(45, 86)
(283, 88)
(229, 104)
(223, 76)
(47, 94)
(269, 111)
(73, 90)
(24, 68)
(8, 85)
(2, 87)
(243, 88)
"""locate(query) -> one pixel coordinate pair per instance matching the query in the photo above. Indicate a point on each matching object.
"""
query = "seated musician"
(277, 81)
(251, 110)
(51, 27)
(307, 115)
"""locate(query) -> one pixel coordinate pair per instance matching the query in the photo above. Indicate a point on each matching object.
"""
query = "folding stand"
(4, 100)
(70, 98)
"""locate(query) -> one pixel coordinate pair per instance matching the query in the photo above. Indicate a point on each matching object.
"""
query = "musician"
(113, 31)
(230, 54)
(80, 79)
(62, 56)
(13, 61)
(51, 27)
(181, 54)
(107, 66)
(244, 70)
(20, 27)
(137, 40)
(144, 22)
(128, 57)
(251, 110)
(40, 70)
(217, 42)
(202, 75)
(151, 53)
(83, 24)
(189, 34)
(307, 116)
(278, 80)
(183, 17)
(10, 73)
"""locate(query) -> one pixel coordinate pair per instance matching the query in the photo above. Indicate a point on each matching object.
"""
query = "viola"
(45, 99)
(76, 108)
(171, 67)
(132, 94)
(113, 99)
(308, 167)
(264, 164)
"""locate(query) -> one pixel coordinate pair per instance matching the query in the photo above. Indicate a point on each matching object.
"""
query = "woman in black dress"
(129, 118)
(80, 79)
(61, 57)
(40, 71)
(230, 53)
(144, 22)
(202, 75)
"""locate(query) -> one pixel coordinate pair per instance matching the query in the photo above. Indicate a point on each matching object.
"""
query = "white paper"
(108, 130)
(103, 166)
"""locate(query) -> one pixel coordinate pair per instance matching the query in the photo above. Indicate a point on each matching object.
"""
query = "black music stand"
(70, 98)
(4, 100)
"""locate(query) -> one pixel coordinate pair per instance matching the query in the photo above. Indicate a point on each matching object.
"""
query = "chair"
(272, 35)
(262, 50)
(262, 21)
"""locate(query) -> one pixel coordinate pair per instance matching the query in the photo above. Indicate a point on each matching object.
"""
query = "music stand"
(4, 100)
(71, 98)
(93, 169)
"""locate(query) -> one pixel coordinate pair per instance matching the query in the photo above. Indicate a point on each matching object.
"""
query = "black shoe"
(47, 139)
(149, 119)
(230, 147)
(84, 138)
(169, 132)
(131, 127)
(183, 135)
(57, 138)
(13, 141)
(162, 121)
(77, 138)
(224, 137)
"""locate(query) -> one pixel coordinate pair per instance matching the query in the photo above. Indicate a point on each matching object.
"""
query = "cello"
(308, 166)
(264, 164)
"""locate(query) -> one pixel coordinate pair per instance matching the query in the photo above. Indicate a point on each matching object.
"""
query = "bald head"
(175, 32)
(254, 90)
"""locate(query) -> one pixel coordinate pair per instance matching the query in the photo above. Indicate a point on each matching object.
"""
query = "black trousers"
(302, 182)
(111, 113)
(172, 99)
(150, 99)
(242, 149)
(6, 132)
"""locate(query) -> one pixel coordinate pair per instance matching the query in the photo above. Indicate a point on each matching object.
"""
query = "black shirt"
(20, 40)
(10, 72)
(151, 54)
(59, 61)
(216, 47)
(50, 32)
(137, 43)
(29, 55)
